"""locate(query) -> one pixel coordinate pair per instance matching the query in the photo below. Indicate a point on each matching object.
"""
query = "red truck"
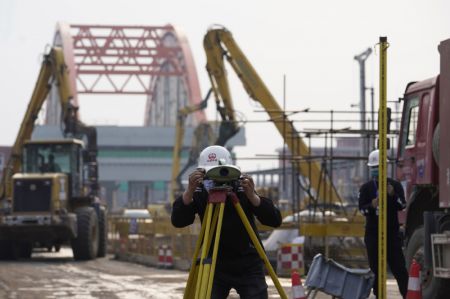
(423, 168)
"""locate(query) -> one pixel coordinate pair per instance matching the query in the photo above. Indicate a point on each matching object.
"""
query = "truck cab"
(415, 163)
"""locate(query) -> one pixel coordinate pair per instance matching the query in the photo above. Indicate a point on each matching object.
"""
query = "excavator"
(203, 133)
(219, 46)
(49, 188)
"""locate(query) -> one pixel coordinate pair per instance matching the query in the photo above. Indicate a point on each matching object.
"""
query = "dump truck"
(49, 188)
(423, 168)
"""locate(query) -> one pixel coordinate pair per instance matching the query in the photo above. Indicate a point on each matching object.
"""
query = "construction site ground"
(57, 275)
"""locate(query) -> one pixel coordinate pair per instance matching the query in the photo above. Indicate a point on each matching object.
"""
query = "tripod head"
(219, 194)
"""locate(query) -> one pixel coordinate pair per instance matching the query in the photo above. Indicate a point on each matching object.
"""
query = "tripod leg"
(210, 262)
(189, 291)
(258, 247)
(215, 217)
(215, 250)
(208, 217)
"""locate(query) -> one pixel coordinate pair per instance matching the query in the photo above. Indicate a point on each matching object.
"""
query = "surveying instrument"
(201, 274)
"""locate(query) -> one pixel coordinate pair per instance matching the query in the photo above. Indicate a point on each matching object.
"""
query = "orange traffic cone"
(298, 292)
(414, 290)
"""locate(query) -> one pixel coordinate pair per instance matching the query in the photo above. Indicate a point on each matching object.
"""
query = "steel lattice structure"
(153, 61)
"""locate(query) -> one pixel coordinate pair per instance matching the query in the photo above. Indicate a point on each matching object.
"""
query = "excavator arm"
(175, 182)
(219, 45)
(53, 70)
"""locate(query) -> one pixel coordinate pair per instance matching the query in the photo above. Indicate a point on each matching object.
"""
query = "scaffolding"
(342, 153)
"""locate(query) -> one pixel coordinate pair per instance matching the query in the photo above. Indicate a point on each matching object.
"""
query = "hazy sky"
(311, 42)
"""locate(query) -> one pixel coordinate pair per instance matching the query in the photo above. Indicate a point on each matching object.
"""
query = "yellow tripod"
(201, 274)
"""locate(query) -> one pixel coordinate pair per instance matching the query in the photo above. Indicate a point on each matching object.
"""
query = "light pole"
(361, 59)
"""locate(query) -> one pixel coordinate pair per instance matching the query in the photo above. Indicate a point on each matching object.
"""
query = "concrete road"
(56, 275)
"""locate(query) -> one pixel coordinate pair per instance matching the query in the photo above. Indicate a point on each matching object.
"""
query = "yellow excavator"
(219, 46)
(49, 188)
(203, 134)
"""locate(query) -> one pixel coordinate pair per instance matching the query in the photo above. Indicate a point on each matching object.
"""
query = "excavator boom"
(219, 44)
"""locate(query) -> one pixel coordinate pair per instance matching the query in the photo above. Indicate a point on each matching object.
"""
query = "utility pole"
(361, 59)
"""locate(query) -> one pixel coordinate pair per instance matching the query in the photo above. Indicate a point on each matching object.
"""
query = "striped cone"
(414, 290)
(161, 257)
(298, 292)
(168, 264)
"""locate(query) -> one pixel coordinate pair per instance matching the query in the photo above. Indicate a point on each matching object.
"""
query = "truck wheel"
(85, 245)
(103, 233)
(432, 287)
(435, 144)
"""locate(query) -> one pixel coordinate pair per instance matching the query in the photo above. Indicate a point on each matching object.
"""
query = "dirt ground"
(57, 275)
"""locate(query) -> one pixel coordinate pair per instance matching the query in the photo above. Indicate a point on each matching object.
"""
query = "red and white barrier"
(290, 258)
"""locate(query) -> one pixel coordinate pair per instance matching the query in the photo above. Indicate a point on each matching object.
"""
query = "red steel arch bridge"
(153, 61)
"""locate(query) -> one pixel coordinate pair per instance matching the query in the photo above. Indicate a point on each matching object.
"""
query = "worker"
(41, 163)
(52, 166)
(238, 264)
(368, 205)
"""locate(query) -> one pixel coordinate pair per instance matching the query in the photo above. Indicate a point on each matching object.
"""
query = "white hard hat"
(214, 155)
(373, 158)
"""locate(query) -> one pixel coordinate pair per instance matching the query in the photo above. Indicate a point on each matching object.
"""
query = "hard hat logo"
(212, 157)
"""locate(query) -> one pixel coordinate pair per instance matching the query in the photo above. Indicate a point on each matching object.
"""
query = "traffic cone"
(168, 263)
(298, 292)
(414, 290)
(161, 256)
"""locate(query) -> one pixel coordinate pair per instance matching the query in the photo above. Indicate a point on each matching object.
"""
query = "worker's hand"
(390, 190)
(195, 180)
(375, 203)
(249, 189)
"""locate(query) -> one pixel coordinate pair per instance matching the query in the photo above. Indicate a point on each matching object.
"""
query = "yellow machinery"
(220, 45)
(46, 206)
(202, 132)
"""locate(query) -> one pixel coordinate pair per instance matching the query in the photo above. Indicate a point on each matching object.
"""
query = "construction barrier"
(165, 257)
(141, 241)
(289, 259)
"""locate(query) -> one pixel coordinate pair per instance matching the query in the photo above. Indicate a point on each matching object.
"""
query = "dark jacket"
(395, 203)
(236, 250)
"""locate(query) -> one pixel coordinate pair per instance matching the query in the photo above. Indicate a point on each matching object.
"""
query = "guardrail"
(141, 240)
